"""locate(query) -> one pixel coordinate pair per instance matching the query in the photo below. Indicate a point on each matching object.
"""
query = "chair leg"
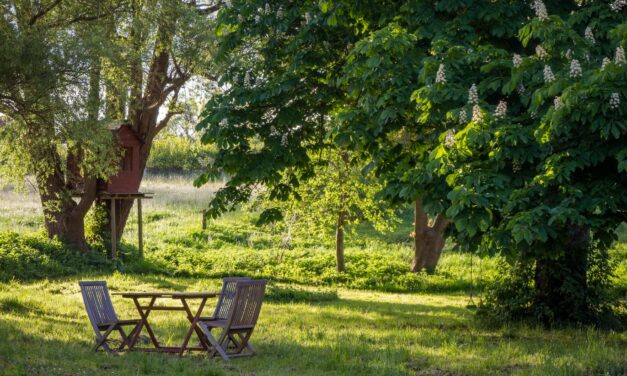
(101, 339)
(243, 342)
(125, 341)
(216, 347)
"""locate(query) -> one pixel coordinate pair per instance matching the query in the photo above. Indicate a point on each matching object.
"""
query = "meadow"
(375, 319)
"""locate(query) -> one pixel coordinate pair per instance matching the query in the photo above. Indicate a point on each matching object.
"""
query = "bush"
(178, 154)
(511, 293)
(28, 257)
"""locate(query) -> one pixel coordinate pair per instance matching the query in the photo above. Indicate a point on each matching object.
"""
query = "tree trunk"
(428, 240)
(63, 217)
(561, 291)
(339, 242)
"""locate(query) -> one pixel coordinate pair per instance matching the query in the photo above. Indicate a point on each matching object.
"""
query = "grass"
(377, 319)
(45, 331)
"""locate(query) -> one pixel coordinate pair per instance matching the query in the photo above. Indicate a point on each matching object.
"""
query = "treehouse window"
(127, 162)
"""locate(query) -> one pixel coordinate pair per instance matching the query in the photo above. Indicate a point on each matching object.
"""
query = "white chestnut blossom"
(280, 13)
(224, 123)
(619, 56)
(463, 117)
(521, 90)
(541, 52)
(515, 165)
(267, 9)
(247, 82)
(540, 9)
(569, 54)
(449, 139)
(477, 114)
(516, 60)
(557, 102)
(589, 35)
(307, 17)
(257, 18)
(473, 95)
(228, 3)
(614, 101)
(575, 68)
(618, 5)
(284, 139)
(548, 74)
(606, 61)
(501, 110)
(440, 77)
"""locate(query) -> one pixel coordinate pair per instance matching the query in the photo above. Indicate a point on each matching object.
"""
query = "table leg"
(144, 323)
(193, 319)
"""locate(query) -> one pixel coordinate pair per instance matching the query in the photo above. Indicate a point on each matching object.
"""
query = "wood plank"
(198, 295)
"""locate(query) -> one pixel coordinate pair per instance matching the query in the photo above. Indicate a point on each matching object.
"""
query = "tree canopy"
(507, 117)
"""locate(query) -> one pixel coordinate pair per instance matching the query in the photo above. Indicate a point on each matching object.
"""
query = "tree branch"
(440, 223)
(208, 9)
(88, 197)
(42, 12)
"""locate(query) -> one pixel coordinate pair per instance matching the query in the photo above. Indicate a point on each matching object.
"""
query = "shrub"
(178, 154)
(510, 293)
(27, 257)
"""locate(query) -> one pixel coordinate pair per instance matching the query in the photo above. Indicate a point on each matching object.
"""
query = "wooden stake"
(140, 228)
(204, 219)
(114, 240)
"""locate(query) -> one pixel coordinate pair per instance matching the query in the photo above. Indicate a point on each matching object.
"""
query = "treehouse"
(128, 177)
(120, 188)
(124, 185)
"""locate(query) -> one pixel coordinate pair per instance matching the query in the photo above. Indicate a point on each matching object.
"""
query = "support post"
(204, 219)
(140, 228)
(114, 240)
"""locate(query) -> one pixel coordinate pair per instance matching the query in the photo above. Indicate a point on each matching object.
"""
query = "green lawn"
(45, 331)
(377, 319)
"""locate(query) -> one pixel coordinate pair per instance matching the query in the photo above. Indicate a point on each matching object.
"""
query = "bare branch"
(172, 111)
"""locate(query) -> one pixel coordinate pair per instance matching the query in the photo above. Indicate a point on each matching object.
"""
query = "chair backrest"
(246, 306)
(97, 303)
(226, 297)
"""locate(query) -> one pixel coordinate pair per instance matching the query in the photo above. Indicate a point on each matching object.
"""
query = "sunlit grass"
(45, 331)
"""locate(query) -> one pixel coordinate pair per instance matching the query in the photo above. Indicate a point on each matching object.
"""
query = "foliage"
(337, 188)
(28, 257)
(276, 66)
(432, 94)
(44, 89)
(510, 294)
(178, 154)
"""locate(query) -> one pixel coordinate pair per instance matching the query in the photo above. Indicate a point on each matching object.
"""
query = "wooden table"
(183, 297)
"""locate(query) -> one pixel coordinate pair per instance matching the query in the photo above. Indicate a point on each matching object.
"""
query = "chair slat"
(98, 303)
(226, 297)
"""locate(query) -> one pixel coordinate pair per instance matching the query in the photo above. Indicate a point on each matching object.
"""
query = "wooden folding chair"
(225, 299)
(239, 323)
(102, 315)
